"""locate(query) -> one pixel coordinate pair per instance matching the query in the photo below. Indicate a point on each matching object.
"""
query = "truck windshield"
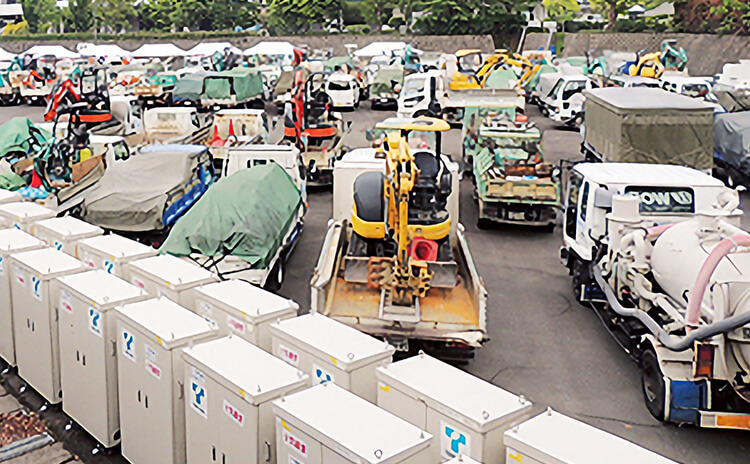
(413, 87)
(338, 85)
(664, 200)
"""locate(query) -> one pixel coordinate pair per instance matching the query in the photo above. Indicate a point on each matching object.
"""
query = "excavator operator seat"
(429, 197)
(368, 217)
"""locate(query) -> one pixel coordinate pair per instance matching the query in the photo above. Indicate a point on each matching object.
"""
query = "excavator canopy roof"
(421, 124)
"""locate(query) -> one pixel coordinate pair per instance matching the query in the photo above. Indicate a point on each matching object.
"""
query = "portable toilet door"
(88, 362)
(242, 309)
(34, 291)
(62, 233)
(172, 277)
(113, 253)
(11, 241)
(230, 386)
(150, 337)
(22, 214)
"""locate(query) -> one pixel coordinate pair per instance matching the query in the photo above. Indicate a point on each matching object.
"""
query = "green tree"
(81, 15)
(193, 14)
(734, 14)
(157, 14)
(226, 14)
(40, 14)
(298, 16)
(115, 15)
(453, 17)
(612, 8)
(562, 9)
(377, 12)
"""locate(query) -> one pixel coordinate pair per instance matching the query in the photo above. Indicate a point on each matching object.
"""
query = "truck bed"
(455, 314)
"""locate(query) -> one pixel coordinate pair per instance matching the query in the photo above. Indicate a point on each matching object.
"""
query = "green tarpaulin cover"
(243, 83)
(189, 87)
(337, 61)
(245, 215)
(382, 81)
(501, 79)
(15, 135)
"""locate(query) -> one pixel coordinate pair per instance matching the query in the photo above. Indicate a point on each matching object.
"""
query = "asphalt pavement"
(543, 345)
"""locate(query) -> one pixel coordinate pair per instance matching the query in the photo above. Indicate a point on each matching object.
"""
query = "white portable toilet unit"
(461, 459)
(34, 291)
(230, 385)
(88, 361)
(11, 241)
(6, 196)
(62, 233)
(113, 253)
(22, 214)
(326, 424)
(553, 438)
(241, 308)
(465, 414)
(331, 352)
(150, 376)
(169, 276)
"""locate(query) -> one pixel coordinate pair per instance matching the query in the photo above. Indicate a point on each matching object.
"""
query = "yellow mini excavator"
(395, 262)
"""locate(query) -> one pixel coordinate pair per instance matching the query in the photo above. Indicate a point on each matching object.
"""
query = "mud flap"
(686, 399)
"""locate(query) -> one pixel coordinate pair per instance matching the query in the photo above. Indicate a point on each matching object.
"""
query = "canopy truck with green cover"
(187, 91)
(248, 224)
(645, 125)
(234, 88)
(513, 184)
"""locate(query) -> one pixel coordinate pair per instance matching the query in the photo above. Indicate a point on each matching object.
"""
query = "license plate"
(516, 216)
(383, 100)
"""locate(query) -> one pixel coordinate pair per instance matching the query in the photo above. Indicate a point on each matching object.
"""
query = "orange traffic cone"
(231, 137)
(216, 140)
(36, 181)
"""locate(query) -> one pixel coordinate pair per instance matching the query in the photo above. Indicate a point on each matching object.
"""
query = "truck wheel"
(483, 224)
(273, 283)
(653, 385)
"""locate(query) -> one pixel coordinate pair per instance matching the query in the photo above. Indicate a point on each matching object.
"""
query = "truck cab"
(421, 95)
(286, 156)
(564, 103)
(667, 194)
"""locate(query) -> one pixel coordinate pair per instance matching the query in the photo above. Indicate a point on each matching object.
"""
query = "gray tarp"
(732, 137)
(645, 125)
(132, 194)
(734, 100)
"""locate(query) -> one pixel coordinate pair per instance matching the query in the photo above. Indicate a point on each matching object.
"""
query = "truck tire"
(653, 385)
(275, 279)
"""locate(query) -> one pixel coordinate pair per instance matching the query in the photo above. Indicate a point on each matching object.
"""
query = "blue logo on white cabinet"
(95, 322)
(321, 375)
(58, 245)
(128, 345)
(453, 442)
(109, 266)
(36, 287)
(198, 393)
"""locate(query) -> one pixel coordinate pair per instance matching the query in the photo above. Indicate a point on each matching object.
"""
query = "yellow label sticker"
(158, 340)
(384, 387)
(334, 361)
(516, 457)
(168, 284)
(283, 424)
(241, 392)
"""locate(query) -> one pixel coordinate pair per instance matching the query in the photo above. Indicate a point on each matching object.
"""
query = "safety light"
(703, 361)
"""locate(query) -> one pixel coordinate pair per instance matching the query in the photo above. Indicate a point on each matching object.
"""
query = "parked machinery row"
(158, 355)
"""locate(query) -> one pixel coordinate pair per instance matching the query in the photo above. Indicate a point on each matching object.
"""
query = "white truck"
(657, 252)
(427, 94)
(172, 125)
(353, 278)
(564, 102)
(271, 274)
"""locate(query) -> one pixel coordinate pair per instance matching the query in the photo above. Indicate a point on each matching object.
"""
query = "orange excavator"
(87, 86)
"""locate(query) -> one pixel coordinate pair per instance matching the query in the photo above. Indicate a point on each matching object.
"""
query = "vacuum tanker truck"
(657, 252)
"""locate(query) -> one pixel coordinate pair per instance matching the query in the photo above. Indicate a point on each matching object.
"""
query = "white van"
(344, 90)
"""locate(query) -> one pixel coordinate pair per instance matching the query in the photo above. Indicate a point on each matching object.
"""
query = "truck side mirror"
(368, 135)
(349, 125)
(603, 198)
